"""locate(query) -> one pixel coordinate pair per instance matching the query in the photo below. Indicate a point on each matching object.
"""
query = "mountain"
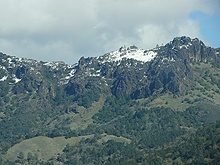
(111, 108)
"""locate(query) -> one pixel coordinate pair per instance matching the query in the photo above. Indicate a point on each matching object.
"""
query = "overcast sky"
(65, 30)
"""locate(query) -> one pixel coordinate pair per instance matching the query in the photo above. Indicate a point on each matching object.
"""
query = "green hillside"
(113, 109)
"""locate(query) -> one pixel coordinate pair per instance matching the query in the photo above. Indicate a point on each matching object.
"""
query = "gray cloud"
(52, 30)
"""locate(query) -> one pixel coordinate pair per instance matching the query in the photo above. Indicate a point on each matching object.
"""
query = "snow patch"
(53, 65)
(94, 75)
(71, 74)
(4, 78)
(9, 60)
(167, 59)
(129, 53)
(16, 80)
(72, 66)
(3, 67)
(98, 71)
(185, 46)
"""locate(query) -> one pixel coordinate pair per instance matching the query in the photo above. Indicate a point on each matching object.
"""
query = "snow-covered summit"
(131, 52)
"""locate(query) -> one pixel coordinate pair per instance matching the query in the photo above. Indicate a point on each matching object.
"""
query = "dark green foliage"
(200, 148)
(218, 83)
(86, 152)
(87, 98)
(152, 127)
(46, 73)
(203, 113)
(60, 97)
(113, 108)
(4, 89)
(217, 91)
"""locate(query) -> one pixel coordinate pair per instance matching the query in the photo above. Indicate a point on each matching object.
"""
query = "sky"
(55, 30)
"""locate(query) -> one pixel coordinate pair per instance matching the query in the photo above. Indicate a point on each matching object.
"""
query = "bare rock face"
(21, 71)
(192, 49)
(128, 71)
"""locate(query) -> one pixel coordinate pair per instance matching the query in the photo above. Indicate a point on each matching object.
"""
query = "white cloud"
(65, 30)
(152, 34)
(51, 51)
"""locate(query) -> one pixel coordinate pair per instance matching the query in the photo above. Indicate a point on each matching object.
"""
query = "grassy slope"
(47, 148)
(81, 119)
(106, 137)
(43, 146)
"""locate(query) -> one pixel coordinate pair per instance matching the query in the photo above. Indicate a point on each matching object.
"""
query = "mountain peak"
(185, 42)
(132, 52)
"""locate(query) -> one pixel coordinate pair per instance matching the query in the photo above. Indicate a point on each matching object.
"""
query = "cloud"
(152, 34)
(66, 30)
(51, 51)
